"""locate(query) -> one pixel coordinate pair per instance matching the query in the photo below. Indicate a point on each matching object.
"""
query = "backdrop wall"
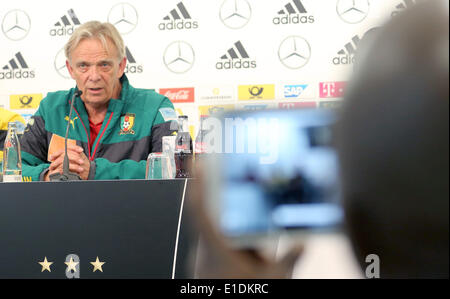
(205, 55)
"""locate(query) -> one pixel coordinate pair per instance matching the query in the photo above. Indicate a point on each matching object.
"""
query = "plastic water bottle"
(12, 160)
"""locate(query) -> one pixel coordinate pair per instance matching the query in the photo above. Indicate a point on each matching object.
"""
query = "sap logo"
(294, 91)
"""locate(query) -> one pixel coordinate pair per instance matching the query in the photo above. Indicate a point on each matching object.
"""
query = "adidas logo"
(178, 18)
(132, 67)
(347, 54)
(293, 13)
(64, 26)
(16, 68)
(402, 6)
(235, 58)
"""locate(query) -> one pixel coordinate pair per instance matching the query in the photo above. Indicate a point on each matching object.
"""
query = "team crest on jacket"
(126, 124)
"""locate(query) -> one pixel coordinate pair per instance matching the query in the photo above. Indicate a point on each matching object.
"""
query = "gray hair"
(95, 29)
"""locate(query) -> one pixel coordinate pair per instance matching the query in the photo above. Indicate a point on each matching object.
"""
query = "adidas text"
(344, 60)
(19, 74)
(295, 19)
(62, 31)
(173, 25)
(134, 69)
(236, 64)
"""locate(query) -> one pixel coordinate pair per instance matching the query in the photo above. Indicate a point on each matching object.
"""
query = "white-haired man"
(114, 126)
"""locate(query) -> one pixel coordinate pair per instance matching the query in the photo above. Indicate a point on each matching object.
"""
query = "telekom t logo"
(332, 89)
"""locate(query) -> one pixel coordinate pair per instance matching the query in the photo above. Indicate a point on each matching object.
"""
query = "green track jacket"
(132, 128)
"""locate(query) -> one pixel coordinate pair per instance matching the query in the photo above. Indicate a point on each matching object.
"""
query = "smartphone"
(273, 171)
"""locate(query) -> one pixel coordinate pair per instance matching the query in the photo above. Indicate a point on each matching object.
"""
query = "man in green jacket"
(113, 126)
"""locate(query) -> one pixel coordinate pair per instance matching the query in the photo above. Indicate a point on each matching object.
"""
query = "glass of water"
(158, 166)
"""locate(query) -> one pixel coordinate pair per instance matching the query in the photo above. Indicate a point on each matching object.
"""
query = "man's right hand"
(77, 161)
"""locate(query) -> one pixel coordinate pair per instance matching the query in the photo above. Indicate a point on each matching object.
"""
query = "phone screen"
(277, 170)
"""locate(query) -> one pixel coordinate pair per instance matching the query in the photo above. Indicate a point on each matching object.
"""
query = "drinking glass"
(158, 166)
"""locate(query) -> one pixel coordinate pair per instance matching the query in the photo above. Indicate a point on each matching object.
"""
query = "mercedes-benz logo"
(124, 16)
(16, 24)
(235, 14)
(179, 57)
(294, 52)
(60, 64)
(352, 11)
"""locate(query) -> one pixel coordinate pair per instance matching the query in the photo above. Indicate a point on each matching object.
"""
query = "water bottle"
(183, 149)
(12, 160)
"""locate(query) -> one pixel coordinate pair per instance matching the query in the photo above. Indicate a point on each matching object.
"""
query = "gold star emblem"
(45, 265)
(71, 265)
(97, 265)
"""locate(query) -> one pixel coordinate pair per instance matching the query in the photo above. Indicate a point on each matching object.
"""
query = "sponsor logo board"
(330, 104)
(256, 107)
(298, 91)
(215, 94)
(214, 109)
(297, 105)
(24, 101)
(179, 95)
(256, 92)
(332, 89)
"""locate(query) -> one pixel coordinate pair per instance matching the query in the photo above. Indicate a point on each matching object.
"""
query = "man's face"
(97, 71)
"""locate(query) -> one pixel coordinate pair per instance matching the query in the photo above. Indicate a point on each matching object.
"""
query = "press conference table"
(137, 228)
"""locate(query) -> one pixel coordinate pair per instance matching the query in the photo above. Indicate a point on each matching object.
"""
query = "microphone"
(67, 175)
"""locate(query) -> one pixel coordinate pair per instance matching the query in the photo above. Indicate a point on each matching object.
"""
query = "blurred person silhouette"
(393, 145)
(392, 140)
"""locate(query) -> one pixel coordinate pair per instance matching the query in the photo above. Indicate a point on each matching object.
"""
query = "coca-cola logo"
(179, 95)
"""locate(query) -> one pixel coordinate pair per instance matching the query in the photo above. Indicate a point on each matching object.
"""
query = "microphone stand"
(67, 175)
